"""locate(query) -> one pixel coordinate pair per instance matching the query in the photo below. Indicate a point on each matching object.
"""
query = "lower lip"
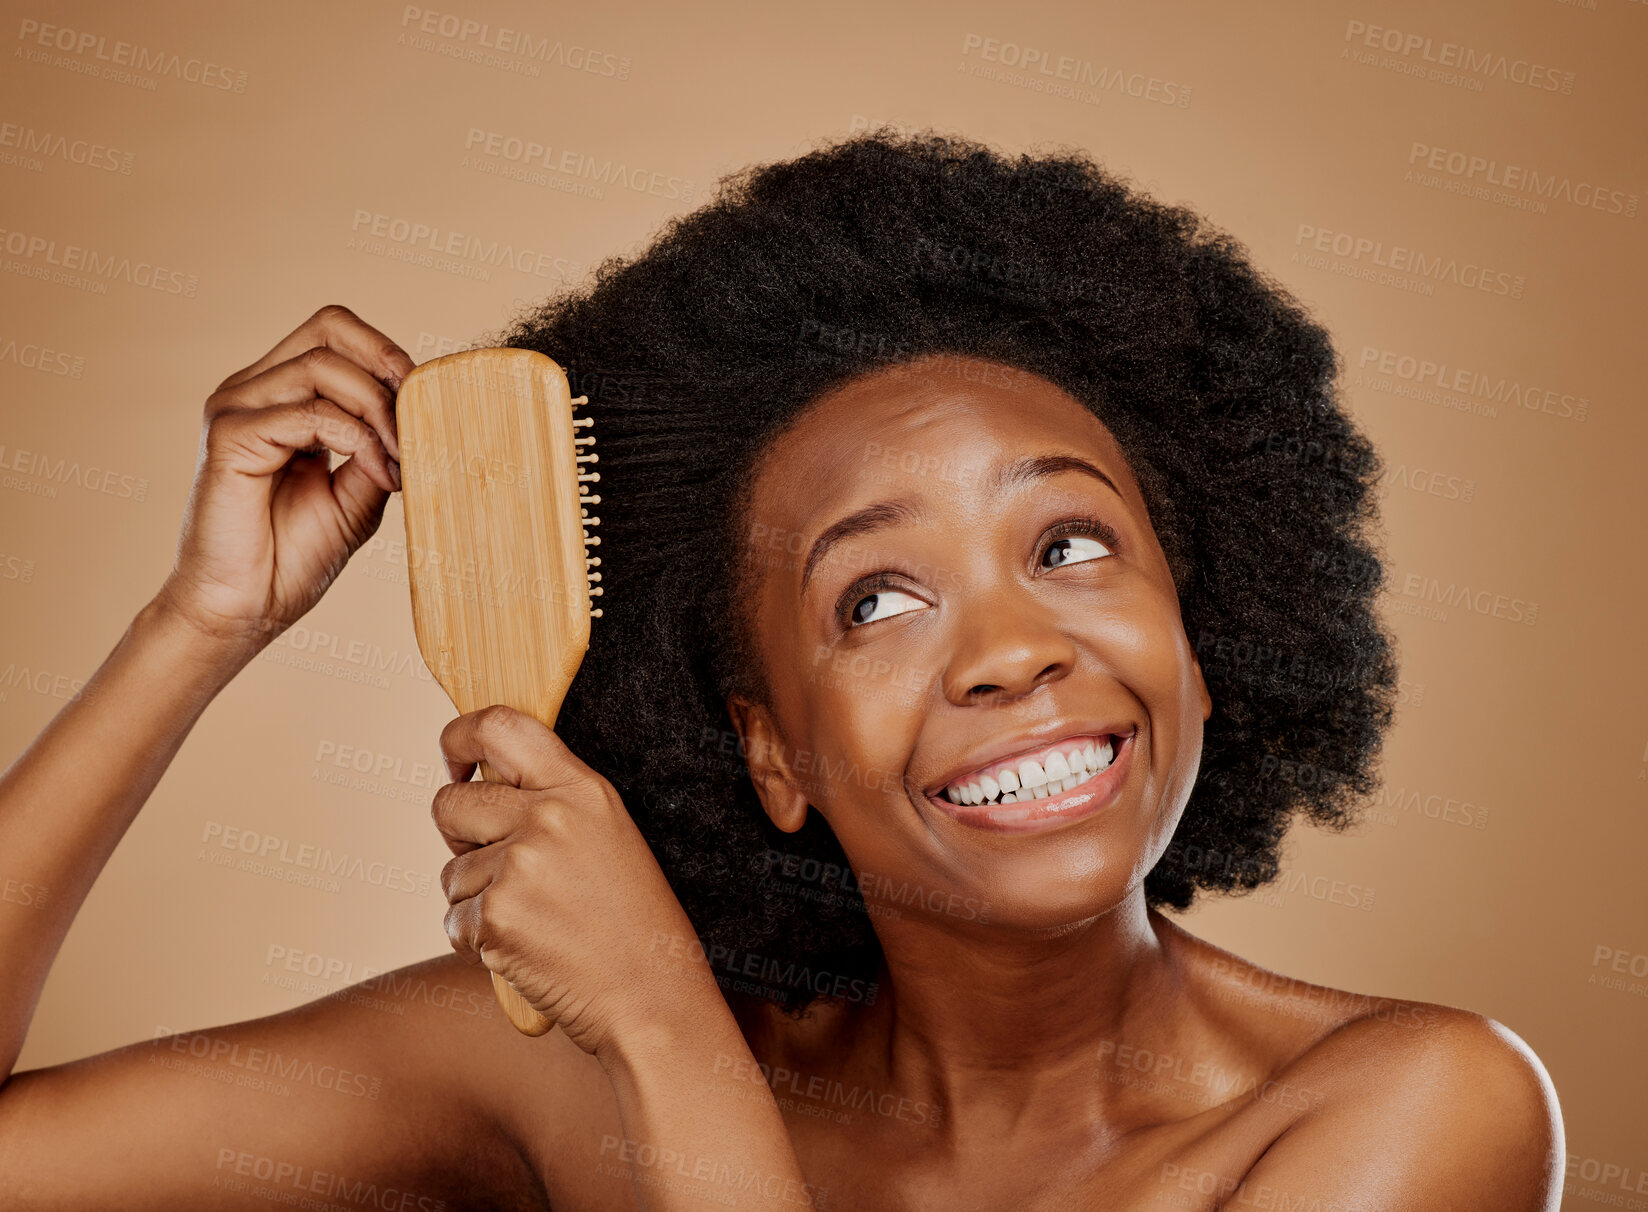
(1035, 816)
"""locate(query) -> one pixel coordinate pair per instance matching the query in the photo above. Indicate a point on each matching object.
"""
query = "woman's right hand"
(267, 526)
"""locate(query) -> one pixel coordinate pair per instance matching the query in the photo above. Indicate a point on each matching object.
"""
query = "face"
(954, 579)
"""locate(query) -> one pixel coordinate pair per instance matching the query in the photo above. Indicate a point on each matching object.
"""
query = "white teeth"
(1032, 780)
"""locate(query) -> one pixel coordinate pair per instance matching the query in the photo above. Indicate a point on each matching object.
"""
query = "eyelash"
(878, 581)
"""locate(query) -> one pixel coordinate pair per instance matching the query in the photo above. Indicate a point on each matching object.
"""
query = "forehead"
(935, 425)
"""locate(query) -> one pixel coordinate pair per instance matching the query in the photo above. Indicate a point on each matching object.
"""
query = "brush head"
(493, 481)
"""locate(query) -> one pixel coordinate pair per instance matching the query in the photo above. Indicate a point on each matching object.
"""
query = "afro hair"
(866, 253)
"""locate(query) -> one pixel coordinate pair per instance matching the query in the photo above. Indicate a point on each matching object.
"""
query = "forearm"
(67, 799)
(695, 1137)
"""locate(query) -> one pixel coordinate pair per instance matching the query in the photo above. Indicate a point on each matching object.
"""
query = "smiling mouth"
(1060, 767)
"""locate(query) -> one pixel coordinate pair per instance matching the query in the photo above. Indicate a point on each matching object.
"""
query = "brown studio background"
(1506, 849)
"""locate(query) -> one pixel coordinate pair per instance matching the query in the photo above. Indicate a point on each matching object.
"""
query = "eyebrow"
(909, 509)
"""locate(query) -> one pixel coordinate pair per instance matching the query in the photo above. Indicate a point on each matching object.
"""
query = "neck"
(1018, 1019)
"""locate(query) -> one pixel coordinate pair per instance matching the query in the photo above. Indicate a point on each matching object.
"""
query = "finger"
(468, 875)
(260, 441)
(337, 328)
(356, 489)
(521, 750)
(475, 814)
(464, 928)
(317, 372)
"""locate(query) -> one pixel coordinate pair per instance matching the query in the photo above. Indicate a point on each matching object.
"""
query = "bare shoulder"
(1427, 1104)
(1440, 1108)
(545, 1100)
(412, 1082)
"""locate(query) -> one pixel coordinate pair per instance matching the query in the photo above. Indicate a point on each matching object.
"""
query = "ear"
(782, 795)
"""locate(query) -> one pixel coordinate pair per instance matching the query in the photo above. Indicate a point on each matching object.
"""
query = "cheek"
(1141, 640)
(1145, 649)
(1162, 675)
(866, 726)
(848, 725)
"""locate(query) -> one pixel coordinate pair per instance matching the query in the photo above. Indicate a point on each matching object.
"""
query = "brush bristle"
(585, 444)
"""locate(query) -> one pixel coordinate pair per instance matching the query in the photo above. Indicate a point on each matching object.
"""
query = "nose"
(1006, 647)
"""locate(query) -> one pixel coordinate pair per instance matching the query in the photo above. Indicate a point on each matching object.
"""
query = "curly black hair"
(867, 253)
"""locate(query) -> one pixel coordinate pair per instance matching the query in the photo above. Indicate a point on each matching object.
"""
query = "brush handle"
(521, 1012)
(527, 1020)
(494, 488)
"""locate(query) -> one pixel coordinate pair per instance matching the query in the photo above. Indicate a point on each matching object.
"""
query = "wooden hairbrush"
(494, 486)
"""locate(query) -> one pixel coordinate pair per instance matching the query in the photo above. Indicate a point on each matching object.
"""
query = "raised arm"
(266, 530)
(363, 1089)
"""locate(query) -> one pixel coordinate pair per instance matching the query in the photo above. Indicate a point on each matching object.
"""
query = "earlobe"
(781, 795)
(1201, 686)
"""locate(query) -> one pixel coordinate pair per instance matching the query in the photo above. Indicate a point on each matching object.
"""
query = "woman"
(986, 566)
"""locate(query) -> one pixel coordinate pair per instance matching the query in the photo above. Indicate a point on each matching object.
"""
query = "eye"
(877, 598)
(1078, 540)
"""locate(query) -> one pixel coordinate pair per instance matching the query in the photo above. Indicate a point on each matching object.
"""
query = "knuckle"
(440, 807)
(221, 429)
(316, 356)
(449, 874)
(455, 931)
(549, 815)
(599, 790)
(389, 353)
(315, 411)
(519, 862)
(333, 313)
(495, 918)
(495, 722)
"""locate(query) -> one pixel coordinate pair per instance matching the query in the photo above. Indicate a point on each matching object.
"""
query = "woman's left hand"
(555, 889)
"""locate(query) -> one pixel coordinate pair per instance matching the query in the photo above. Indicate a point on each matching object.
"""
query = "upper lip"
(1026, 743)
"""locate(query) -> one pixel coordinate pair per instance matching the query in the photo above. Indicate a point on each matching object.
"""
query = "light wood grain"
(494, 469)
